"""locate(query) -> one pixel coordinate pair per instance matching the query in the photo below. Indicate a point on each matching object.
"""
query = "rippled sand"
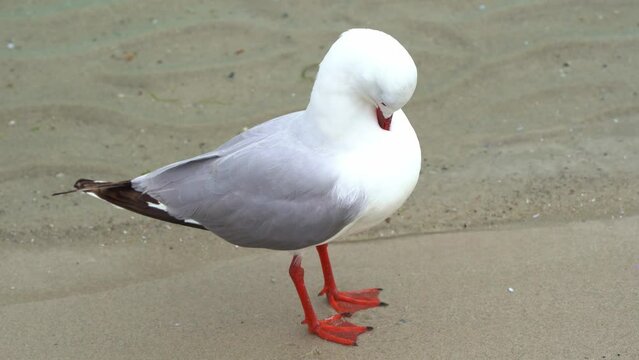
(528, 118)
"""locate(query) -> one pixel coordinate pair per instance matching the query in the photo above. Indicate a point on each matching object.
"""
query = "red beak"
(383, 122)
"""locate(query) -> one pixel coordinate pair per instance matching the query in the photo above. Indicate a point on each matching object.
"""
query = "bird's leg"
(345, 301)
(334, 328)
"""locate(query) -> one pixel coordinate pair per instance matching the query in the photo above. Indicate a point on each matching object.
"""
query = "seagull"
(304, 179)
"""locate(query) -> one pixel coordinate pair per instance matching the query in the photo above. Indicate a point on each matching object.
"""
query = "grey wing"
(265, 189)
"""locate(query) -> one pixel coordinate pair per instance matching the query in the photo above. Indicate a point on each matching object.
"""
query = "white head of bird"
(364, 67)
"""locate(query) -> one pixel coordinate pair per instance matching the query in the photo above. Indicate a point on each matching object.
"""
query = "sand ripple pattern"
(527, 112)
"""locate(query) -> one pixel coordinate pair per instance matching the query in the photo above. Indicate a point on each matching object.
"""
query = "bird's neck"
(339, 111)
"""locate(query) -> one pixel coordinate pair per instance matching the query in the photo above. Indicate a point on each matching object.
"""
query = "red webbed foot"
(345, 301)
(338, 330)
(352, 301)
(334, 328)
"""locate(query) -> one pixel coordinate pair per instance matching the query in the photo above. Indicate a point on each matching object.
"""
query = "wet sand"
(528, 119)
(573, 294)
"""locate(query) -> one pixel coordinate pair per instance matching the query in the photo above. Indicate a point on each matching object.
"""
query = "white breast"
(385, 168)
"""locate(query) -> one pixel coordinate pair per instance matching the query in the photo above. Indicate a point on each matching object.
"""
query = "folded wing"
(265, 188)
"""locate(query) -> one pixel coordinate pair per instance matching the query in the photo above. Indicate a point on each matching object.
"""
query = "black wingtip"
(383, 304)
(369, 328)
(83, 183)
(78, 185)
(64, 192)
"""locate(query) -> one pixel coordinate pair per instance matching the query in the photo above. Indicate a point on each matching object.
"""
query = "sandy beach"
(528, 119)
